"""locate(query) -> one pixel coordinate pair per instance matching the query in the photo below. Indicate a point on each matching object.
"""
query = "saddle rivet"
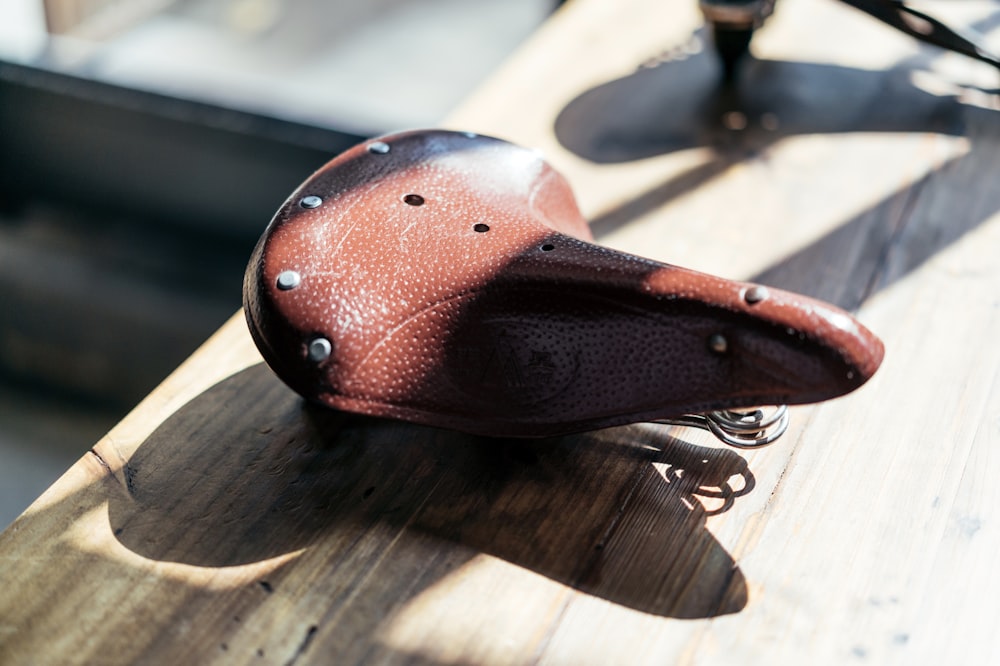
(319, 350)
(288, 280)
(311, 201)
(755, 294)
(735, 121)
(379, 147)
(718, 343)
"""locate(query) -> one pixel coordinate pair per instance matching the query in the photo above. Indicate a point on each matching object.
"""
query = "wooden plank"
(224, 521)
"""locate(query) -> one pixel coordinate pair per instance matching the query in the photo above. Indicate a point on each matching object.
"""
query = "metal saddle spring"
(743, 429)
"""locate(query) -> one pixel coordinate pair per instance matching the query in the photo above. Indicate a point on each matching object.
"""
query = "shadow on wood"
(676, 103)
(245, 472)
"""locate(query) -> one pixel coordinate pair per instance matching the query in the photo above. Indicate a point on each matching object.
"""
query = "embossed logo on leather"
(516, 362)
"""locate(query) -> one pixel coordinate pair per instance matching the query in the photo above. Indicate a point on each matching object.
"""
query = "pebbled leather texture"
(455, 282)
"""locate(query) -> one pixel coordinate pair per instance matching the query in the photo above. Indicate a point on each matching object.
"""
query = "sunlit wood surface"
(223, 521)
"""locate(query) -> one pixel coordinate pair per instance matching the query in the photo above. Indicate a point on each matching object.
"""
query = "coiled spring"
(743, 429)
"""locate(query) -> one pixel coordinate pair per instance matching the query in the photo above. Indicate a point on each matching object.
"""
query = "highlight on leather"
(449, 279)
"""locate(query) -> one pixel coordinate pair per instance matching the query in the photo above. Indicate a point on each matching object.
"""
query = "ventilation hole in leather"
(481, 228)
(413, 200)
(548, 247)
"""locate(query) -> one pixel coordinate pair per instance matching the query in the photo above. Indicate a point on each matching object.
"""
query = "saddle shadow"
(246, 472)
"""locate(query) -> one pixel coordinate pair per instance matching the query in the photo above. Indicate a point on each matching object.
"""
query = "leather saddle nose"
(449, 279)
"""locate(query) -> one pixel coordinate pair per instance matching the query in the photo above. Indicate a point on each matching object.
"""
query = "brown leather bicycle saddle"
(447, 278)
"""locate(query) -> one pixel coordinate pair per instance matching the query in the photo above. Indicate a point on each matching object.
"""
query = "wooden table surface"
(223, 521)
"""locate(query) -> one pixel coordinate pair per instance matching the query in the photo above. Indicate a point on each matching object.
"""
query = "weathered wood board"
(224, 521)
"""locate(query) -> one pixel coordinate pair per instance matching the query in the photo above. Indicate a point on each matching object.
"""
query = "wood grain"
(224, 521)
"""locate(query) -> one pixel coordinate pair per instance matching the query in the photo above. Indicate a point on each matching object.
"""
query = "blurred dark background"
(144, 145)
